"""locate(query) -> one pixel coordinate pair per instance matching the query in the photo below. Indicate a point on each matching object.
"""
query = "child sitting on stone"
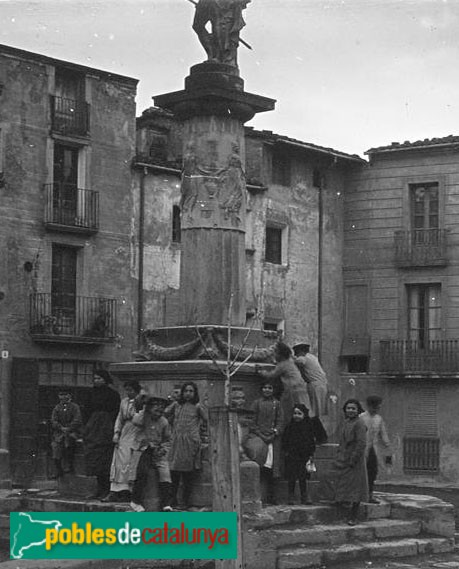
(66, 424)
(155, 446)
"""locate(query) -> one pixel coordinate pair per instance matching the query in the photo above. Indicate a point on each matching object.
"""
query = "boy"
(66, 425)
(376, 436)
(155, 446)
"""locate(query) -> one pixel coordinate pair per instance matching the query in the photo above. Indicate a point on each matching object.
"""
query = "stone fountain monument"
(213, 108)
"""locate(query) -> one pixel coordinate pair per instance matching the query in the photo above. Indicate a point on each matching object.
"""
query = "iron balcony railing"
(69, 116)
(72, 207)
(413, 356)
(65, 316)
(420, 248)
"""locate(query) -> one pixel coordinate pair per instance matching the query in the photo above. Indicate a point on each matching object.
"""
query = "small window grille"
(421, 454)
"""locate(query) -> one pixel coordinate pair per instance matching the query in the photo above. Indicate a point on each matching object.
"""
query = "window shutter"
(422, 412)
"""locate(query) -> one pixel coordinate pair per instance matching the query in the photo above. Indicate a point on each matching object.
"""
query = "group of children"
(270, 439)
(150, 434)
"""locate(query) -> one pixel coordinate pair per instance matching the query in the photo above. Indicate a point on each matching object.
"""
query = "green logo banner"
(123, 535)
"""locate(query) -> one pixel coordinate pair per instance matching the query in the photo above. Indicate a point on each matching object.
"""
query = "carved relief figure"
(225, 18)
(189, 185)
(232, 180)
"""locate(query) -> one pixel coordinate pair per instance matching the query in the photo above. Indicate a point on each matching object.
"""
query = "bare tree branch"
(243, 362)
(209, 353)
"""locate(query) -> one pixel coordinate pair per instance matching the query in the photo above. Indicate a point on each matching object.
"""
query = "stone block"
(250, 487)
(343, 553)
(77, 485)
(436, 516)
(258, 554)
(435, 545)
(299, 557)
(312, 515)
(296, 536)
(397, 528)
(375, 511)
(9, 503)
(392, 549)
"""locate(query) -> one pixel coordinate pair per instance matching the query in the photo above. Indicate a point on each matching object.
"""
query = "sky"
(346, 74)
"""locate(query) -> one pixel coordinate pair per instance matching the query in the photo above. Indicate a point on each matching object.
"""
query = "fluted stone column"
(213, 108)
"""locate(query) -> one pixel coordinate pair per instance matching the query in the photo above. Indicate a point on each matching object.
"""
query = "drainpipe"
(141, 249)
(319, 269)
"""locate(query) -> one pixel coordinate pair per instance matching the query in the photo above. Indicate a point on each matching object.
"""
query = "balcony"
(69, 208)
(420, 248)
(56, 317)
(413, 357)
(69, 117)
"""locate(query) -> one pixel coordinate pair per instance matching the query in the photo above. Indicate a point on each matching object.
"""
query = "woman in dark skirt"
(298, 443)
(98, 432)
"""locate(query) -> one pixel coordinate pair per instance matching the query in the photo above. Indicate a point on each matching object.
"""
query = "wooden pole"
(226, 488)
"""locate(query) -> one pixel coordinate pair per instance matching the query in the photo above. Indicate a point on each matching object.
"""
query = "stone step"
(52, 502)
(337, 534)
(302, 557)
(321, 513)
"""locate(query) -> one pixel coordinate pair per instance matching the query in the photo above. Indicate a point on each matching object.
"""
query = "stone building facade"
(358, 257)
(67, 137)
(401, 299)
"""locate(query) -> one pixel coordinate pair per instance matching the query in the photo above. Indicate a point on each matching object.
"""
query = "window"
(65, 186)
(69, 84)
(421, 445)
(158, 147)
(273, 325)
(424, 313)
(273, 247)
(355, 349)
(63, 287)
(69, 110)
(281, 168)
(424, 206)
(176, 224)
(72, 373)
(317, 178)
(424, 214)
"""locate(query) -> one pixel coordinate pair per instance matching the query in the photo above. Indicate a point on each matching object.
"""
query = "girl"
(127, 436)
(289, 386)
(263, 442)
(350, 467)
(185, 453)
(298, 444)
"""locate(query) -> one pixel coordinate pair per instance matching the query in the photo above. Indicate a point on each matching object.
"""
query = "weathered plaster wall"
(161, 254)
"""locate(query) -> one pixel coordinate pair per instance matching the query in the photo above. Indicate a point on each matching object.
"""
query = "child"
(66, 425)
(155, 446)
(376, 438)
(298, 444)
(127, 437)
(263, 442)
(185, 453)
